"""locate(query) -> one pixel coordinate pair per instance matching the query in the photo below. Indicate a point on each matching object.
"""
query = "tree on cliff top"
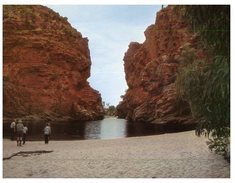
(206, 83)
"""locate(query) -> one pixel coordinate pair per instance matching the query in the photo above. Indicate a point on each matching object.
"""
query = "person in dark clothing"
(47, 133)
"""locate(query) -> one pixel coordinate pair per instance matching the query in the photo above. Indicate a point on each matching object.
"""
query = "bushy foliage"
(190, 80)
(6, 78)
(206, 83)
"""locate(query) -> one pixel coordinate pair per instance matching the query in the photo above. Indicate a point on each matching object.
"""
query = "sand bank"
(161, 156)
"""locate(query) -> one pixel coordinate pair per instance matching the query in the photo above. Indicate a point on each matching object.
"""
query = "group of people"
(20, 130)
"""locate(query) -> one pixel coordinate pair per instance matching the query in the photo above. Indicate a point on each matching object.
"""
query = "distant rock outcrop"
(46, 64)
(151, 70)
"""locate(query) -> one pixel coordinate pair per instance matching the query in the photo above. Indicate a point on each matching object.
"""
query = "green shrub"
(206, 83)
(6, 78)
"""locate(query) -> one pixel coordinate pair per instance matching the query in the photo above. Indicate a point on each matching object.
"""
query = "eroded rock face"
(151, 70)
(46, 64)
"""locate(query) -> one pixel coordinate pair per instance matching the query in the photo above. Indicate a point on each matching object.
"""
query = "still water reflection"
(107, 128)
(104, 129)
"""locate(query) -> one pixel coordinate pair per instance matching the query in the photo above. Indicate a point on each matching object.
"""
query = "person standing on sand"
(25, 130)
(13, 129)
(47, 133)
(19, 131)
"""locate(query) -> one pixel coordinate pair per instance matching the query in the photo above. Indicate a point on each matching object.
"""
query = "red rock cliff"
(151, 70)
(46, 64)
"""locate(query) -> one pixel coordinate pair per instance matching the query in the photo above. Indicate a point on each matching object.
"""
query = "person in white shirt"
(25, 130)
(13, 129)
(47, 133)
(19, 131)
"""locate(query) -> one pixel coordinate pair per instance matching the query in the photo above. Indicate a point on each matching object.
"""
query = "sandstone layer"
(151, 70)
(46, 64)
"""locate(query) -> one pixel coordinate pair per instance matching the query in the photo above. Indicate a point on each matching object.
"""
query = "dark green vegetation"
(110, 110)
(205, 83)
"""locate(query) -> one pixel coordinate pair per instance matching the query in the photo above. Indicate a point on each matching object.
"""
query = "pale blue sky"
(110, 29)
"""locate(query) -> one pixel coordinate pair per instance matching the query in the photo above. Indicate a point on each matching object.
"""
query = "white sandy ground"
(177, 155)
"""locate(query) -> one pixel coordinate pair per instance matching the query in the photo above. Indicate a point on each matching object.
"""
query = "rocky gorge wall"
(151, 70)
(46, 64)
